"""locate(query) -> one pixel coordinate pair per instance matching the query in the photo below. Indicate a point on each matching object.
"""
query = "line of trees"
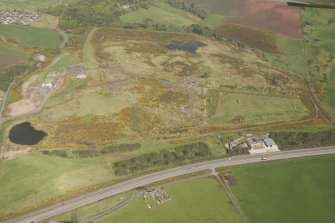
(94, 13)
(293, 140)
(189, 7)
(86, 153)
(181, 153)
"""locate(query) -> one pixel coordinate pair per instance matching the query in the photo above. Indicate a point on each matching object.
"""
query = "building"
(40, 58)
(269, 143)
(262, 146)
(81, 76)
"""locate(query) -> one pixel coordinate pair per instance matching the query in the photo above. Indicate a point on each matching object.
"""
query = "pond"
(25, 134)
(190, 46)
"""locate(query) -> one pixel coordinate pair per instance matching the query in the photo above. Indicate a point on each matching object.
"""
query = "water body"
(190, 46)
(25, 134)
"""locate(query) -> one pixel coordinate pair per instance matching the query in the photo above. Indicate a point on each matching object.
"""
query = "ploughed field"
(272, 16)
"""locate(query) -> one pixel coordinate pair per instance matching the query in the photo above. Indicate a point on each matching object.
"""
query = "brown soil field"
(7, 60)
(274, 16)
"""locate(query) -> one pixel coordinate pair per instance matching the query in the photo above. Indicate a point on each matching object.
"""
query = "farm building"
(262, 146)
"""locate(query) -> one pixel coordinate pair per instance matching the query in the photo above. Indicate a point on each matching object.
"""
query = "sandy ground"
(10, 152)
(21, 107)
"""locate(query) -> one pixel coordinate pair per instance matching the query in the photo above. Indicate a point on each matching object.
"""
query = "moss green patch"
(30, 36)
(250, 109)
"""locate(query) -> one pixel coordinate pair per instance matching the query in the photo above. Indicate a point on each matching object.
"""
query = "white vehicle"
(264, 158)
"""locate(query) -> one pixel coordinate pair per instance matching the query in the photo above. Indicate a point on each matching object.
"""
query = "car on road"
(264, 158)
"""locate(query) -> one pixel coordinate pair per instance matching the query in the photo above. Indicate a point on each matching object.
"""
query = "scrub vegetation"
(139, 85)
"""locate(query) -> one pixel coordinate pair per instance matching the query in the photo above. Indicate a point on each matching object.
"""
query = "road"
(60, 208)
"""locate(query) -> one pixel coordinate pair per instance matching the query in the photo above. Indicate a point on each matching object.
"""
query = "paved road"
(57, 209)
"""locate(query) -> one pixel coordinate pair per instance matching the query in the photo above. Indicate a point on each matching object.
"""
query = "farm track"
(234, 201)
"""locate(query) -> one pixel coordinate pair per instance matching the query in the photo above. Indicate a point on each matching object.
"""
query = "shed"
(269, 143)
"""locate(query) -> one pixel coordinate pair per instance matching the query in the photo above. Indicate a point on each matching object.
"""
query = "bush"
(60, 153)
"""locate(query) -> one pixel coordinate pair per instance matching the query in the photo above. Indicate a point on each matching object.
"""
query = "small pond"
(25, 134)
(188, 46)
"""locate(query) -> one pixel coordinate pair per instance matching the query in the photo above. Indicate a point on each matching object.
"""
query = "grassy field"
(320, 52)
(31, 180)
(32, 4)
(290, 191)
(93, 209)
(291, 55)
(10, 56)
(251, 109)
(30, 36)
(201, 200)
(161, 13)
(47, 177)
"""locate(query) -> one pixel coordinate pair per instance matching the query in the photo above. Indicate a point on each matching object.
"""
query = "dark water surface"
(188, 46)
(25, 134)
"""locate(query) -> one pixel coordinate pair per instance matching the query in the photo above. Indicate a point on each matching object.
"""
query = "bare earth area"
(274, 16)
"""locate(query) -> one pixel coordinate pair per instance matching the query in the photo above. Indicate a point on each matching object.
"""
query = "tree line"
(189, 7)
(192, 151)
(86, 153)
(94, 12)
(293, 140)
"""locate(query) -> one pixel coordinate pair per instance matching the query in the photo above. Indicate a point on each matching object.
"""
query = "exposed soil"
(7, 60)
(273, 16)
(231, 180)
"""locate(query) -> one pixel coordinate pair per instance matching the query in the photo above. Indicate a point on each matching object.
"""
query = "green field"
(47, 177)
(93, 209)
(290, 191)
(291, 55)
(251, 109)
(200, 200)
(34, 179)
(321, 52)
(32, 4)
(162, 13)
(30, 36)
